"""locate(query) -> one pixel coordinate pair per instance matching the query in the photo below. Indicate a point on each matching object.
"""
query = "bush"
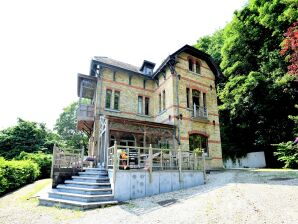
(43, 160)
(14, 174)
(287, 152)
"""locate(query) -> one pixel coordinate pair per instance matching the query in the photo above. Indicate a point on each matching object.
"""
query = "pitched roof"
(109, 62)
(119, 64)
(194, 52)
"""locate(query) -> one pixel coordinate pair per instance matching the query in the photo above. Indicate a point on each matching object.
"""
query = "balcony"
(85, 112)
(200, 112)
(85, 117)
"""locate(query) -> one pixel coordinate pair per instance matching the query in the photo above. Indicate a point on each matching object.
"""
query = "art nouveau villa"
(146, 127)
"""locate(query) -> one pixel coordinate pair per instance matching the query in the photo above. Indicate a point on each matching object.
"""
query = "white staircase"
(91, 189)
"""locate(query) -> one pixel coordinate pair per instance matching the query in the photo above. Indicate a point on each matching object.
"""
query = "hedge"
(14, 174)
(43, 160)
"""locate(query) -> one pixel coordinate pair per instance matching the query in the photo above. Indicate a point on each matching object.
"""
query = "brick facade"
(131, 86)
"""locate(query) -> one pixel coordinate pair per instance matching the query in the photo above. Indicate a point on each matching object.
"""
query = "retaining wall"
(131, 184)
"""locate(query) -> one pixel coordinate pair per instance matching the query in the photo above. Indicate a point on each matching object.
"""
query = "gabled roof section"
(194, 52)
(115, 63)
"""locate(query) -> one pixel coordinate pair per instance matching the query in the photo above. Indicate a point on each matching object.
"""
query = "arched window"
(198, 141)
(198, 67)
(190, 65)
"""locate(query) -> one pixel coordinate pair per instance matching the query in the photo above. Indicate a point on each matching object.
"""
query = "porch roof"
(139, 122)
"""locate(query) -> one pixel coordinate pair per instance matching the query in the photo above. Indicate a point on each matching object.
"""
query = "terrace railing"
(151, 159)
(65, 163)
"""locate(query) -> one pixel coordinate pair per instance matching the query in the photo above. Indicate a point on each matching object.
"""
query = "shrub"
(287, 152)
(43, 160)
(14, 174)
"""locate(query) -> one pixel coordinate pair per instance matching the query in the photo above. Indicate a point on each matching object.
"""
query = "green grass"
(38, 186)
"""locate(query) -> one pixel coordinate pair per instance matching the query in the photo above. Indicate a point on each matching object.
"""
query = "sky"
(45, 43)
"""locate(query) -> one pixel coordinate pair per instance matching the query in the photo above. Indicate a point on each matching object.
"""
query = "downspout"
(99, 79)
(172, 63)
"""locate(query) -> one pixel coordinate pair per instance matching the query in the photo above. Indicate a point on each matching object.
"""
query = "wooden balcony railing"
(65, 163)
(85, 112)
(148, 158)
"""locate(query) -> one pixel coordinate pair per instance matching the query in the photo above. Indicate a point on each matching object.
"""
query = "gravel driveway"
(231, 196)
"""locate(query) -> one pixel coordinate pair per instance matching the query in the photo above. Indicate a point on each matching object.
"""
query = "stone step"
(95, 169)
(74, 204)
(81, 197)
(73, 183)
(91, 179)
(94, 174)
(86, 191)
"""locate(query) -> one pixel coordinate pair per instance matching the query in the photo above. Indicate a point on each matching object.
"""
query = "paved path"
(234, 196)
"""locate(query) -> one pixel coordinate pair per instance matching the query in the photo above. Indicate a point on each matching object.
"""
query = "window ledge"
(200, 119)
(194, 72)
(112, 110)
(144, 115)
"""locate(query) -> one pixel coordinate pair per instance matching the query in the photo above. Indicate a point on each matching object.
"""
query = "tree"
(212, 44)
(66, 127)
(25, 136)
(290, 48)
(257, 95)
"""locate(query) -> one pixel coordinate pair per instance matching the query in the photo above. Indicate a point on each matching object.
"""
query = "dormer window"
(148, 71)
(190, 65)
(147, 68)
(198, 67)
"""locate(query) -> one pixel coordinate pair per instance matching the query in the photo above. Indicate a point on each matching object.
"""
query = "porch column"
(106, 145)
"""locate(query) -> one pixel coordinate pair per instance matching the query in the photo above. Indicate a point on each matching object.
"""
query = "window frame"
(164, 99)
(198, 67)
(109, 94)
(117, 94)
(188, 97)
(147, 105)
(140, 104)
(190, 65)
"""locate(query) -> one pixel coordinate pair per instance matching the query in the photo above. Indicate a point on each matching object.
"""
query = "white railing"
(85, 112)
(200, 112)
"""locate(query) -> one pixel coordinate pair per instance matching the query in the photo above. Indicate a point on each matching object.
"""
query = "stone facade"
(131, 86)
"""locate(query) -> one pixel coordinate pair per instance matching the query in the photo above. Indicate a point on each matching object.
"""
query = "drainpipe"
(172, 63)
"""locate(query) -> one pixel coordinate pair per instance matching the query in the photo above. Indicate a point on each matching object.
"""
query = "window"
(204, 100)
(197, 141)
(129, 80)
(163, 144)
(196, 98)
(140, 104)
(187, 97)
(146, 106)
(116, 100)
(164, 100)
(159, 102)
(190, 65)
(144, 84)
(108, 98)
(198, 67)
(114, 76)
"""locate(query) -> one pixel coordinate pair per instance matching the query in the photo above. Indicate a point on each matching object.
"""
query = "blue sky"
(44, 44)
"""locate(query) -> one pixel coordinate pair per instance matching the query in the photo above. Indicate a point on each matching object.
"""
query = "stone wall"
(133, 184)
